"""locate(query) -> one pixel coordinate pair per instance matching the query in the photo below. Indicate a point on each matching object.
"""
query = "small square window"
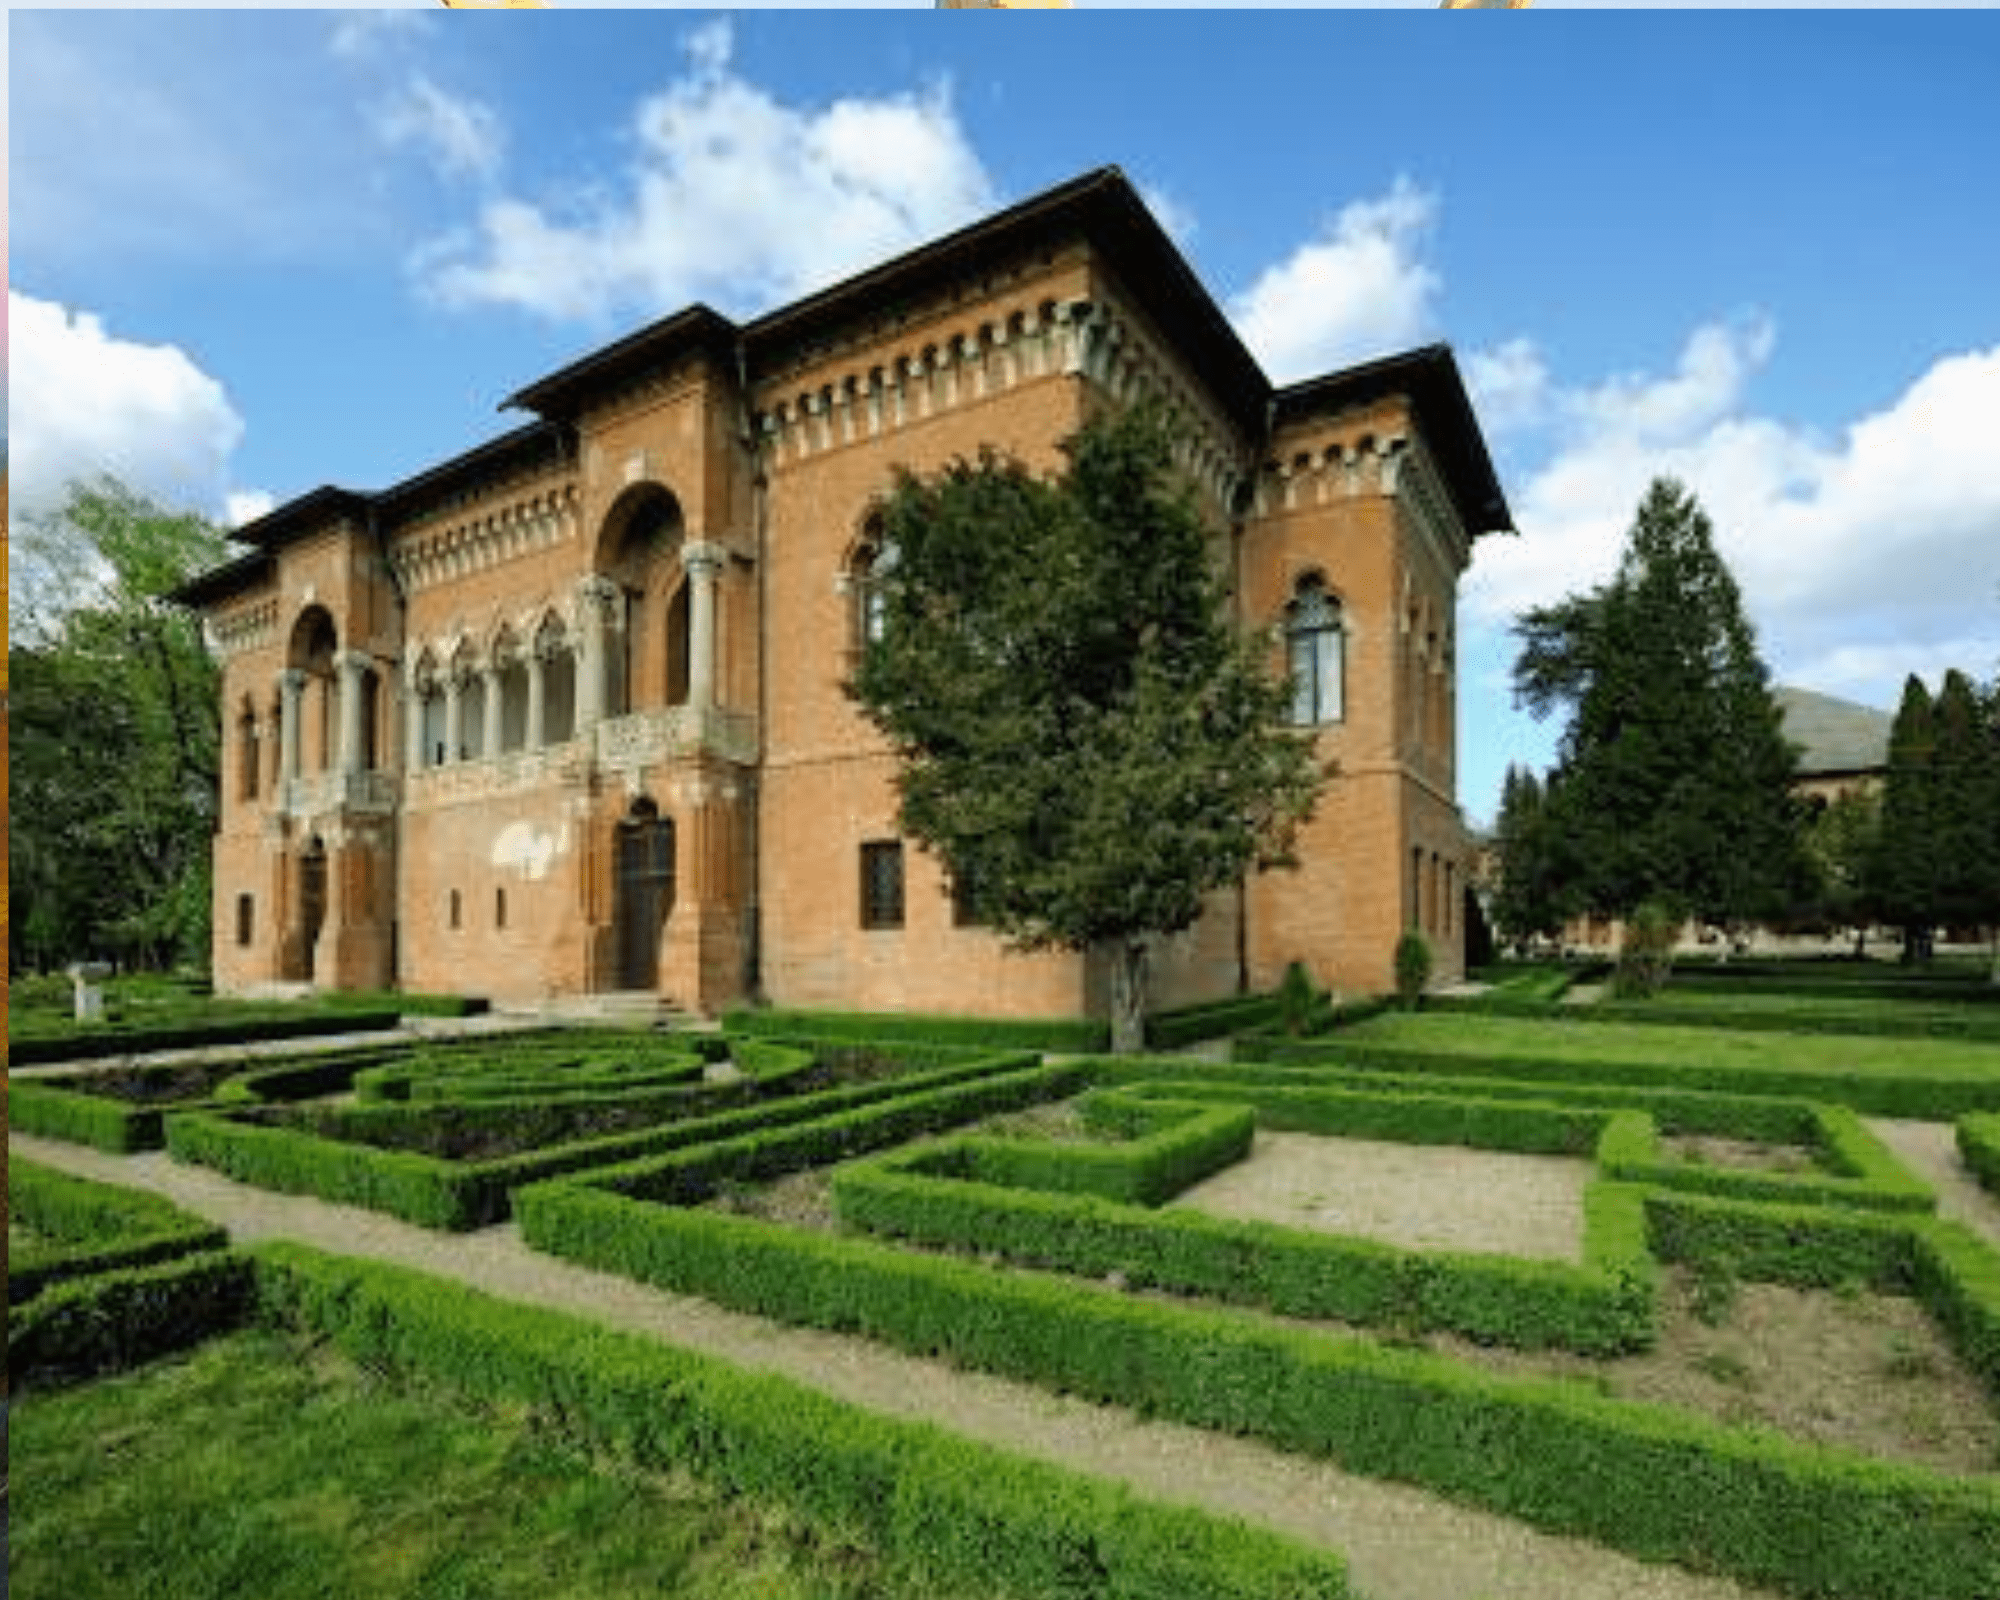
(882, 885)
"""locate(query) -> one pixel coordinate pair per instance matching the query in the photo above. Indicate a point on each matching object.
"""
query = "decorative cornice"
(1411, 475)
(527, 525)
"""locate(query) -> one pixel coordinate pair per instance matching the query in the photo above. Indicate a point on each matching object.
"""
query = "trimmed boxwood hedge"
(968, 1513)
(1979, 1148)
(1053, 1034)
(195, 1036)
(1215, 1019)
(92, 1228)
(118, 1319)
(453, 1195)
(1604, 1307)
(63, 1108)
(1659, 1483)
(1933, 1095)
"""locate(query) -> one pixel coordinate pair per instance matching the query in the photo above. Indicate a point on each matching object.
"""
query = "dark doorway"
(645, 894)
(312, 899)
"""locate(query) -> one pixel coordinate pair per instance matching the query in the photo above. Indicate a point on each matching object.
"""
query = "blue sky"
(254, 251)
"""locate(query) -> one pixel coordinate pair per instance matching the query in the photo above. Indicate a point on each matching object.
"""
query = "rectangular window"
(882, 885)
(454, 908)
(499, 908)
(245, 918)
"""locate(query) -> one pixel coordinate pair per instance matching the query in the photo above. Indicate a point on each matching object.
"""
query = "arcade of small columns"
(600, 614)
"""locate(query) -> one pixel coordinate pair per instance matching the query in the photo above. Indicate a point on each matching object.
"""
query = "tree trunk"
(1128, 996)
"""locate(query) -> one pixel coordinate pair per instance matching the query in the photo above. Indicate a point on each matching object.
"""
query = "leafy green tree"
(1084, 734)
(1673, 783)
(1840, 845)
(1529, 900)
(113, 737)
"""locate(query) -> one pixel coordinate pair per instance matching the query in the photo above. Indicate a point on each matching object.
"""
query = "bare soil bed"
(1423, 1197)
(190, 1080)
(1714, 1151)
(1864, 1371)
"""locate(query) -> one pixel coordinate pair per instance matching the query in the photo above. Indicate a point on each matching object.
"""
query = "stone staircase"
(635, 1008)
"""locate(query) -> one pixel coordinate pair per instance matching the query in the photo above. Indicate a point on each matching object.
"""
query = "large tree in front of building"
(113, 734)
(1087, 740)
(1674, 779)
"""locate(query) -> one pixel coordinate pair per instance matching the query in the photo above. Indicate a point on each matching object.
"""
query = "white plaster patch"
(524, 846)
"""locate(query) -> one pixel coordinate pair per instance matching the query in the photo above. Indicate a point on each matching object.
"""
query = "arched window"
(1315, 653)
(246, 753)
(873, 563)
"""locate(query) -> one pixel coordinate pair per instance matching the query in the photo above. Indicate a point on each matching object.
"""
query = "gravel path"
(1930, 1150)
(1401, 1543)
(1528, 1205)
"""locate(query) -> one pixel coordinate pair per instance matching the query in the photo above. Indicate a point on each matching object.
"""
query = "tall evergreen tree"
(1964, 815)
(1907, 868)
(1087, 740)
(1674, 779)
(1529, 901)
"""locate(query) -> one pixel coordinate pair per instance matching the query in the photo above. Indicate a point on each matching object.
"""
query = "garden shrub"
(1413, 969)
(1213, 1019)
(92, 1228)
(932, 1196)
(1297, 998)
(1656, 1482)
(1057, 1034)
(970, 1514)
(194, 1035)
(118, 1319)
(1979, 1148)
(438, 1193)
(1935, 1094)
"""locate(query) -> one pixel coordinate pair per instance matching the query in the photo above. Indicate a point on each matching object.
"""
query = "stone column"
(350, 664)
(536, 661)
(413, 701)
(453, 723)
(491, 675)
(597, 598)
(703, 564)
(292, 686)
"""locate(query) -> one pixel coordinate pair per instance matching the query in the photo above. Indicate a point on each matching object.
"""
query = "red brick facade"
(564, 715)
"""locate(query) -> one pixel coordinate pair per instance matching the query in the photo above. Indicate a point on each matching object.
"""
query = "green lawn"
(259, 1466)
(1472, 1035)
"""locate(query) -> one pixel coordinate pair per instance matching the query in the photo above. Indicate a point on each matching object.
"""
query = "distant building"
(1843, 747)
(563, 715)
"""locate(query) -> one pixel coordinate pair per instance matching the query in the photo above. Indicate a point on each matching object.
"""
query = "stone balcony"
(616, 745)
(320, 792)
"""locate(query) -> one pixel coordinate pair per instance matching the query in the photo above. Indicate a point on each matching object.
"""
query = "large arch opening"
(639, 550)
(314, 643)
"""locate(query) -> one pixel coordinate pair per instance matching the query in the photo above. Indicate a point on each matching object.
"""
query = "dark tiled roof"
(1834, 735)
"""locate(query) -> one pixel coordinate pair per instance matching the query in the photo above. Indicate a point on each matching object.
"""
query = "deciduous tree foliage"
(1674, 781)
(1086, 738)
(113, 735)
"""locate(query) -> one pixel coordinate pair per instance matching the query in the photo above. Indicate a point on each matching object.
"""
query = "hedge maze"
(1060, 1256)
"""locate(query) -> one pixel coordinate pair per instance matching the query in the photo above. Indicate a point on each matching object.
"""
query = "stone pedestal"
(88, 976)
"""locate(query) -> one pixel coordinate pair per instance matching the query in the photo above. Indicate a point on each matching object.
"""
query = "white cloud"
(1510, 385)
(458, 135)
(733, 196)
(91, 403)
(246, 505)
(1178, 219)
(1355, 291)
(1862, 555)
(358, 35)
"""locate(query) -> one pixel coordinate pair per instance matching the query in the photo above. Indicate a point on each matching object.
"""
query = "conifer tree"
(1907, 868)
(1528, 902)
(1673, 784)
